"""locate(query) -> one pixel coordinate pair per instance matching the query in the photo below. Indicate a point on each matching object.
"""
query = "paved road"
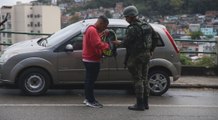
(176, 104)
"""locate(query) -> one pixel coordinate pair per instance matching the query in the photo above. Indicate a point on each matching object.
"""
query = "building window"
(38, 24)
(9, 16)
(9, 25)
(9, 35)
(31, 24)
(37, 16)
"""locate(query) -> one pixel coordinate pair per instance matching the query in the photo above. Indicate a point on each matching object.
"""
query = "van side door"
(70, 65)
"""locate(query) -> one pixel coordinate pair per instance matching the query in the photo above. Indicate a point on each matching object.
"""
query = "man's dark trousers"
(92, 70)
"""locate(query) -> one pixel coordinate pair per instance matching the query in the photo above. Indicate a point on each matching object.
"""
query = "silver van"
(36, 65)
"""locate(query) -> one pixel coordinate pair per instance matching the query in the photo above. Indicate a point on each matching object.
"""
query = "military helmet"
(130, 11)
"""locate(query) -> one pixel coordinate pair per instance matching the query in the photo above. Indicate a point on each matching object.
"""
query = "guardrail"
(24, 33)
(201, 41)
(197, 41)
(177, 40)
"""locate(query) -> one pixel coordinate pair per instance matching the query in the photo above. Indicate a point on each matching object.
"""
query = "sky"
(12, 2)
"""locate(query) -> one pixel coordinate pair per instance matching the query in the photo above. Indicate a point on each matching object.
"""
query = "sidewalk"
(196, 82)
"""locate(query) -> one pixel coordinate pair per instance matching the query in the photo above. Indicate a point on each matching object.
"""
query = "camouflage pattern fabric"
(137, 59)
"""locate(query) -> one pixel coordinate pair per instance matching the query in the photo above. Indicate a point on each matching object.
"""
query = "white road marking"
(106, 105)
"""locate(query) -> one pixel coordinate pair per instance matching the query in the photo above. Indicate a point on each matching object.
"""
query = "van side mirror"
(69, 48)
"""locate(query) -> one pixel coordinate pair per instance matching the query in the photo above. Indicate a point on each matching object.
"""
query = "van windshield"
(64, 33)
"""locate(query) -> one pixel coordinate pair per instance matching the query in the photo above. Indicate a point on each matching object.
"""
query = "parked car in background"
(36, 65)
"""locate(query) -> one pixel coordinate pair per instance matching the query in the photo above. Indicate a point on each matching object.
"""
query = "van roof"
(119, 22)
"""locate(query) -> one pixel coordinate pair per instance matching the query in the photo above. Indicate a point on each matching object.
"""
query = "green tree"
(74, 19)
(108, 14)
(185, 60)
(200, 6)
(177, 5)
(206, 61)
(151, 7)
(196, 35)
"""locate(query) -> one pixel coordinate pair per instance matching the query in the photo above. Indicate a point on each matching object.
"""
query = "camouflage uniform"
(137, 60)
(139, 44)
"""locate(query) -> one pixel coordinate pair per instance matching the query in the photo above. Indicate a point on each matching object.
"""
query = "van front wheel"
(34, 81)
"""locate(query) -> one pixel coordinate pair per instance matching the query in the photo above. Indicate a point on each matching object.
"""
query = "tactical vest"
(143, 41)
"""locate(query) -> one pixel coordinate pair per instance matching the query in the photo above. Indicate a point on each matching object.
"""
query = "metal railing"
(24, 33)
(176, 40)
(197, 41)
(215, 52)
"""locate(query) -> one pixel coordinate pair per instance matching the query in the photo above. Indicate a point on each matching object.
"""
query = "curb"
(182, 85)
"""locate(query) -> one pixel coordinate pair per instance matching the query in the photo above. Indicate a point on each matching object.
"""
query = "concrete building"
(6, 38)
(194, 27)
(31, 19)
(208, 31)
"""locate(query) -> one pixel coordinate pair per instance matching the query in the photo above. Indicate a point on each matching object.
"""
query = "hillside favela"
(192, 23)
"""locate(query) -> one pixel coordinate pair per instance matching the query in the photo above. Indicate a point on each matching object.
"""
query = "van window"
(76, 41)
(160, 42)
(121, 33)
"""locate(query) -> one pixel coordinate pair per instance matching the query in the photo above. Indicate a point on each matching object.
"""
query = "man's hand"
(104, 33)
(116, 42)
(151, 53)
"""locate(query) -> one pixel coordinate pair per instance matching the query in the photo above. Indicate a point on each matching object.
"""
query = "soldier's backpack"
(108, 37)
(147, 38)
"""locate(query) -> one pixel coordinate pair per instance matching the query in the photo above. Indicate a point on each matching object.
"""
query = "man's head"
(130, 13)
(102, 23)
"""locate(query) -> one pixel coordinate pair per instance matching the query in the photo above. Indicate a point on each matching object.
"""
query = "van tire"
(34, 81)
(159, 82)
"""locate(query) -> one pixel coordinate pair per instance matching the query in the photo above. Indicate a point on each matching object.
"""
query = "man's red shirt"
(93, 45)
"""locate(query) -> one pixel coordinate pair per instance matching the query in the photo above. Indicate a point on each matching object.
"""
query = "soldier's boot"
(146, 102)
(139, 106)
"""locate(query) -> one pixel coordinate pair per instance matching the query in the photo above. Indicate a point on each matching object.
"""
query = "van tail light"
(171, 40)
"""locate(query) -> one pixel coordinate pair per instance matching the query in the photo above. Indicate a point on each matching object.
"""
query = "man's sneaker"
(95, 104)
(85, 101)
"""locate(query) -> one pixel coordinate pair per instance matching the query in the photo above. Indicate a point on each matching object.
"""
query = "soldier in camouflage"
(137, 59)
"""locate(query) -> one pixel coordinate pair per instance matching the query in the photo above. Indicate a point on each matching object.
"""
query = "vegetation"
(196, 35)
(153, 7)
(185, 60)
(161, 7)
(204, 61)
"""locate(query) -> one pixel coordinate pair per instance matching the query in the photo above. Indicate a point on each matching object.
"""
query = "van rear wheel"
(34, 81)
(159, 82)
